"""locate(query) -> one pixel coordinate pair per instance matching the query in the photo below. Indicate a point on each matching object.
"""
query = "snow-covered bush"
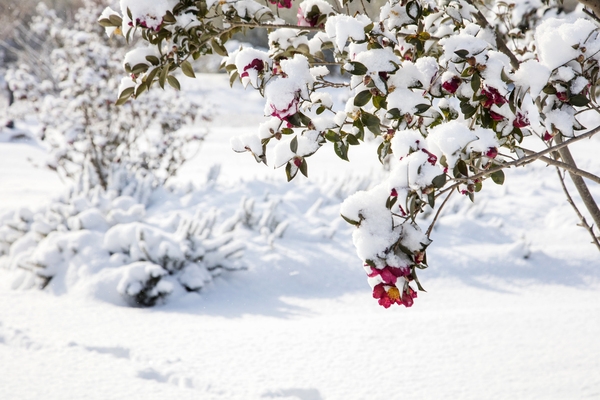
(94, 141)
(80, 236)
(455, 92)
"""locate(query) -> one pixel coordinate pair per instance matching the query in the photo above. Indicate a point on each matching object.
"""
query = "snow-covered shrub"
(453, 92)
(80, 236)
(93, 141)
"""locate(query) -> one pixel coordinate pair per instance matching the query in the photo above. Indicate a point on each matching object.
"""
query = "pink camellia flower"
(297, 162)
(520, 121)
(432, 159)
(282, 3)
(256, 64)
(492, 152)
(562, 96)
(452, 85)
(496, 117)
(492, 97)
(389, 274)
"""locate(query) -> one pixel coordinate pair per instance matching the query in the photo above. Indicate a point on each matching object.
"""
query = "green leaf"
(379, 102)
(350, 221)
(125, 95)
(187, 69)
(294, 144)
(498, 177)
(352, 140)
(139, 68)
(431, 199)
(233, 77)
(475, 83)
(140, 89)
(304, 168)
(579, 100)
(413, 10)
(394, 113)
(439, 181)
(549, 89)
(461, 168)
(332, 136)
(219, 48)
(341, 150)
(371, 122)
(153, 60)
(391, 201)
(320, 110)
(462, 53)
(358, 68)
(288, 171)
(421, 108)
(467, 109)
(383, 150)
(362, 98)
(162, 78)
(115, 20)
(173, 82)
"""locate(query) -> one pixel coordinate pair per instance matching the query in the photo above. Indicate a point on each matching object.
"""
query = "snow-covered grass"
(511, 310)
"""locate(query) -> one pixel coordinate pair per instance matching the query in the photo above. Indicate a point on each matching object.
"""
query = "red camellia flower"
(495, 116)
(282, 3)
(520, 121)
(256, 64)
(452, 85)
(288, 111)
(547, 137)
(389, 274)
(394, 193)
(562, 96)
(392, 295)
(432, 159)
(386, 297)
(492, 97)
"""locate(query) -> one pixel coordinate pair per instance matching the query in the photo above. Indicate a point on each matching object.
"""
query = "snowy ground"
(512, 308)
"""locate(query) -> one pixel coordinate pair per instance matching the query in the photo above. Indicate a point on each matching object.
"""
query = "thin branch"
(529, 159)
(581, 217)
(437, 214)
(584, 192)
(567, 167)
(500, 44)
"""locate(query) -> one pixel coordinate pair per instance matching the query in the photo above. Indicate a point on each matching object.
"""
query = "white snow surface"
(511, 308)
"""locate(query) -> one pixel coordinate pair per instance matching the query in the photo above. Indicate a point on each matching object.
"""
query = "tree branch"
(500, 44)
(530, 158)
(567, 167)
(581, 217)
(584, 192)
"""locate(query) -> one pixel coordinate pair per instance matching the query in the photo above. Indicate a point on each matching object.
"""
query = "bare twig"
(584, 223)
(531, 158)
(567, 167)
(500, 44)
(437, 214)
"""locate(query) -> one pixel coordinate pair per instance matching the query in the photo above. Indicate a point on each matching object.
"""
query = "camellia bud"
(492, 152)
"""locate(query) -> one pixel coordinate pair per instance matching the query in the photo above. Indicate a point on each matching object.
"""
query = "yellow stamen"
(393, 293)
